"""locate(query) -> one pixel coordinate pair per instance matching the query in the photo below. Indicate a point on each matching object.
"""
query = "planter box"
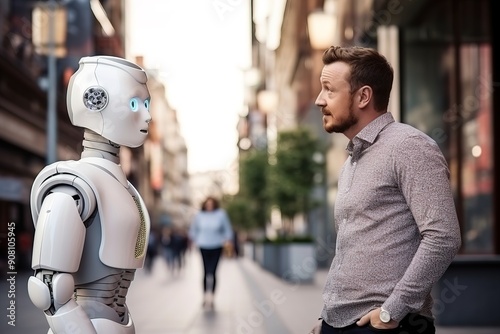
(467, 294)
(271, 258)
(294, 262)
(298, 262)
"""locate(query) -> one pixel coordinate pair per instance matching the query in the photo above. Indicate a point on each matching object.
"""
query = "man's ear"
(365, 95)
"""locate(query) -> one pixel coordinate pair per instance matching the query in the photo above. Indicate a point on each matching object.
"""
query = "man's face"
(335, 99)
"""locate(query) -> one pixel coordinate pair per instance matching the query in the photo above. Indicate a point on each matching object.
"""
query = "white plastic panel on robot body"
(119, 213)
(59, 236)
(101, 326)
(48, 179)
(75, 321)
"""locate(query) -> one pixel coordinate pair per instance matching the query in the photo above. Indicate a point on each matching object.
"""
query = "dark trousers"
(210, 260)
(411, 324)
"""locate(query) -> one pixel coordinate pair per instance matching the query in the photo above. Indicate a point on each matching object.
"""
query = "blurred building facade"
(280, 94)
(158, 169)
(446, 84)
(168, 192)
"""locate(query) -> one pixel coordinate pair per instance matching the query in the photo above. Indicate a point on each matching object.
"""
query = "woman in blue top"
(210, 231)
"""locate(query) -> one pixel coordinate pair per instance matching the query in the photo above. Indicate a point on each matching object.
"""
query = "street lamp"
(102, 17)
(49, 38)
(267, 101)
(322, 26)
(323, 33)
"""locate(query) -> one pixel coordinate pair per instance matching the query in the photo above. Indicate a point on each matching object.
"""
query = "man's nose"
(320, 102)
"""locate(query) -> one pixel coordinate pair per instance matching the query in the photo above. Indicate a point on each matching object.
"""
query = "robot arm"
(57, 250)
(59, 234)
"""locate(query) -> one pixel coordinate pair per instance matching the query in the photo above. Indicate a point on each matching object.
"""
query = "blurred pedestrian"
(166, 245)
(236, 244)
(210, 232)
(184, 246)
(177, 244)
(395, 218)
(152, 249)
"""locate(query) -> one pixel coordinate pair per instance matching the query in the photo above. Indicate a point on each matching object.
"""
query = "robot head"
(109, 96)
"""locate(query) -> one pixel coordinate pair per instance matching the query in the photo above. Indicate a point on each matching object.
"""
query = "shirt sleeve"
(423, 178)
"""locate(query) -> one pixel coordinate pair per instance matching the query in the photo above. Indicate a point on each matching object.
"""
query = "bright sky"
(201, 48)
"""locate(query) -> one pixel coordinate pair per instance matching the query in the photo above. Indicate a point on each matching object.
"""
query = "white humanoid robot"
(91, 225)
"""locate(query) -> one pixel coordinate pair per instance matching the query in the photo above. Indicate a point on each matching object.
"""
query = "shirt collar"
(368, 134)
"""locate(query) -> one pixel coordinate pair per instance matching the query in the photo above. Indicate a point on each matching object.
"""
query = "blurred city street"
(249, 300)
(227, 92)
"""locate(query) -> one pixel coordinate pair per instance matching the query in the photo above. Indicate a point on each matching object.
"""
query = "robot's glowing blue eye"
(146, 104)
(134, 104)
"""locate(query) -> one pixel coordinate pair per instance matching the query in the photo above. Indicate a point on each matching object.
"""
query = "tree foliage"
(240, 212)
(249, 208)
(286, 183)
(292, 175)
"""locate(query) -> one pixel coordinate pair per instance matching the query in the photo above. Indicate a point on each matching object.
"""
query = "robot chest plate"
(125, 226)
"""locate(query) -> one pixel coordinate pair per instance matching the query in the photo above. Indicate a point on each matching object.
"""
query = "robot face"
(108, 95)
(126, 116)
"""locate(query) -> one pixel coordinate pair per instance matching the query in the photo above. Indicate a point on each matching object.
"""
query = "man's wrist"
(385, 315)
(396, 309)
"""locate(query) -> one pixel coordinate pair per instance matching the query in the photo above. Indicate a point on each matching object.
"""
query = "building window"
(477, 155)
(447, 93)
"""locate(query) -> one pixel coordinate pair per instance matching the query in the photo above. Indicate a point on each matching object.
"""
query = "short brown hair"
(368, 67)
(210, 198)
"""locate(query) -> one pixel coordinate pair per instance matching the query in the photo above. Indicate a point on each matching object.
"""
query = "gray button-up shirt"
(397, 229)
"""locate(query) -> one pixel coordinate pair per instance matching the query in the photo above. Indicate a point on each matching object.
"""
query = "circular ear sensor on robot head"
(95, 98)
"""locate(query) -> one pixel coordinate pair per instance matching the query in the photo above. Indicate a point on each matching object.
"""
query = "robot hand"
(53, 294)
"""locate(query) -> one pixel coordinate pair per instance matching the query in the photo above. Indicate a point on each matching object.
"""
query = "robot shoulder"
(52, 179)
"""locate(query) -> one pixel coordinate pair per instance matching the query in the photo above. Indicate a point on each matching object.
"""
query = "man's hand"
(317, 327)
(373, 318)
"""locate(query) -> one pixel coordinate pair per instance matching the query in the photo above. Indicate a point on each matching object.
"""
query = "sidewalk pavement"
(248, 300)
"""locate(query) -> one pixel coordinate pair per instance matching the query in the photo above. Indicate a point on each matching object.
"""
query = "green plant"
(249, 208)
(291, 178)
(288, 239)
(240, 212)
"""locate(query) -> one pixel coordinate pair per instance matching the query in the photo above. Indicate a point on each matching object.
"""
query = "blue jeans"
(411, 324)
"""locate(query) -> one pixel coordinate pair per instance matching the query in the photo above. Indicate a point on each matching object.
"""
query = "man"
(397, 229)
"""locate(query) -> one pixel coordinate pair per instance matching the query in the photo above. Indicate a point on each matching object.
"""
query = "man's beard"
(345, 125)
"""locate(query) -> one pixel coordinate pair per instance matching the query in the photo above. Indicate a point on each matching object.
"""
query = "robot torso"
(121, 212)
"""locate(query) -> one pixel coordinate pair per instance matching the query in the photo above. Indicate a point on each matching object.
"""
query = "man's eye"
(134, 104)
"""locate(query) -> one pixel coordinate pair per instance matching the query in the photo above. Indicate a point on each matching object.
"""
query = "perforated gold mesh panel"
(140, 244)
